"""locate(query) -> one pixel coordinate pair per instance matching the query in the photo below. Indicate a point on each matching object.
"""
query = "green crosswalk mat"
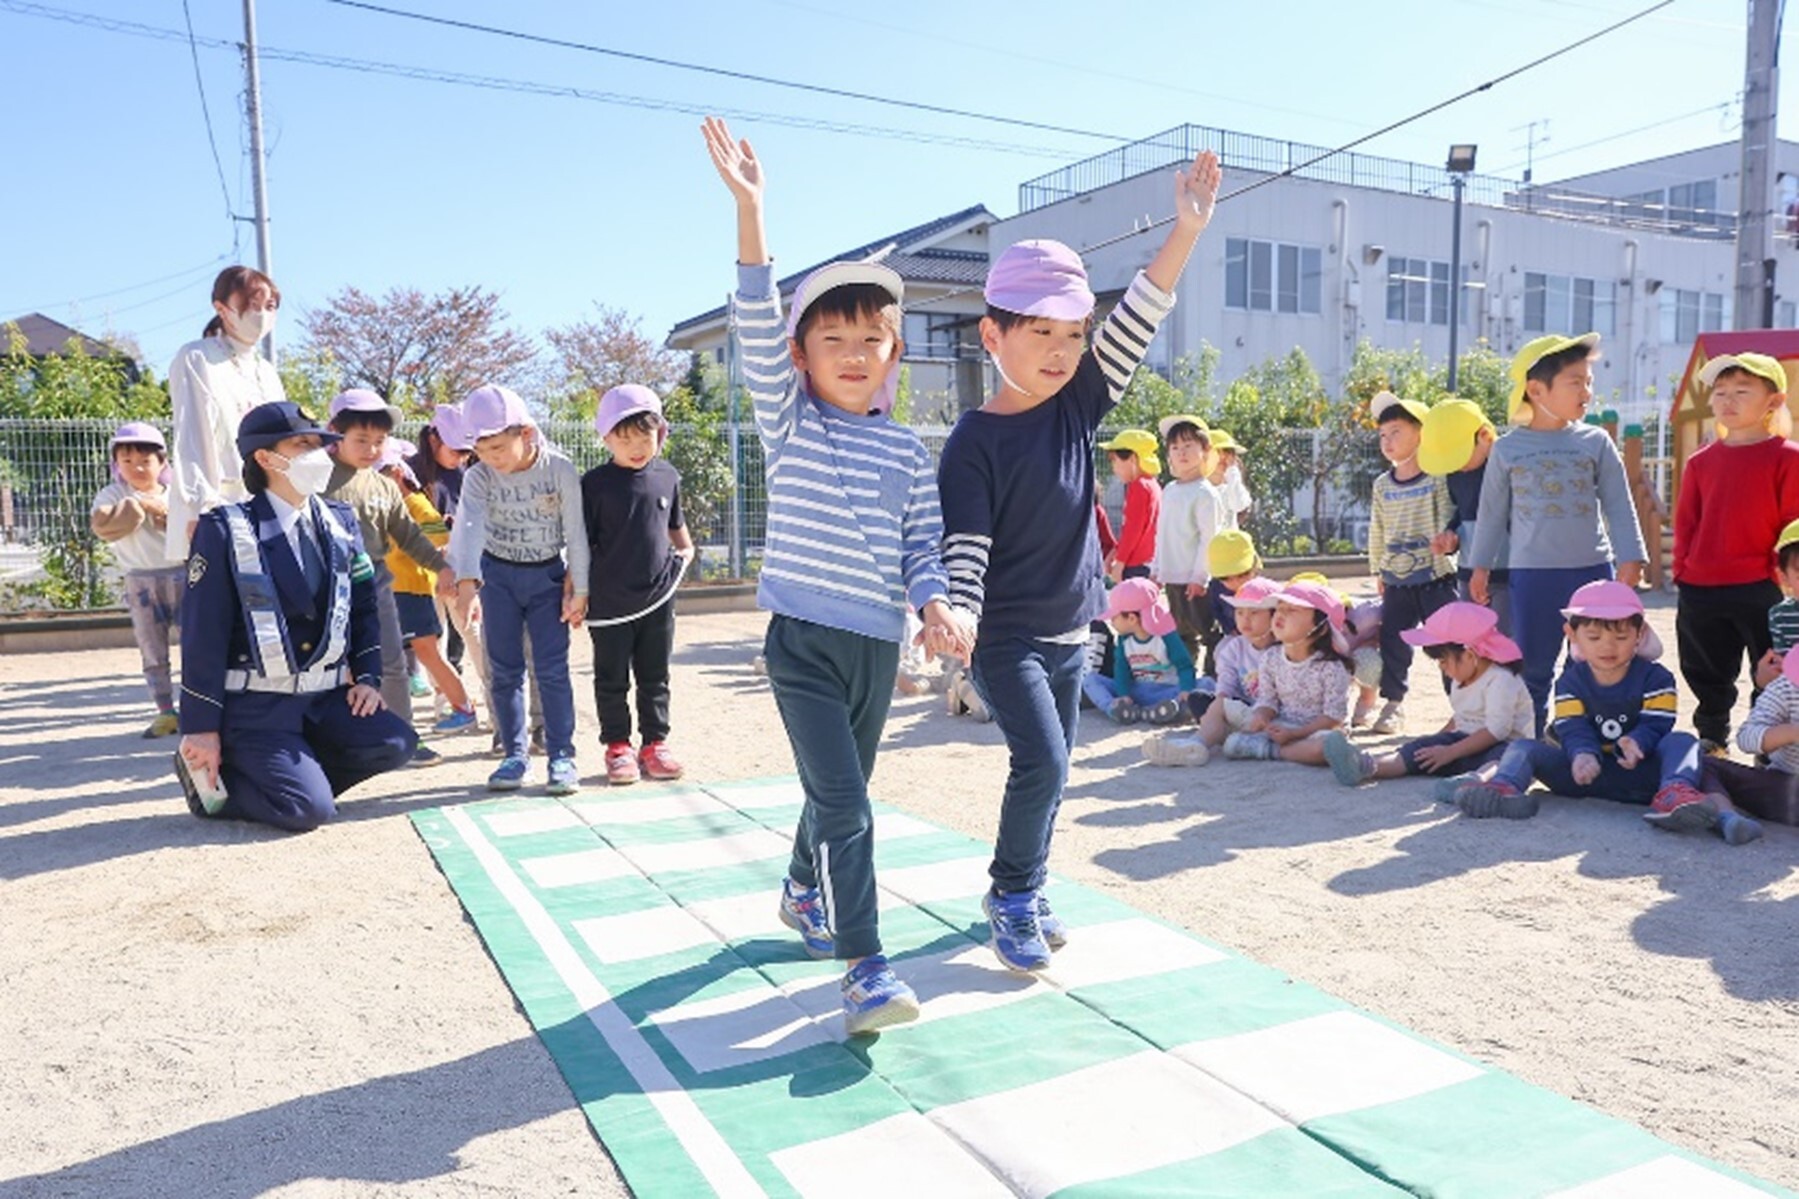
(639, 934)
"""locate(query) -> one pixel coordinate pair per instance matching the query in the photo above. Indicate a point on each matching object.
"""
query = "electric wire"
(212, 141)
(119, 291)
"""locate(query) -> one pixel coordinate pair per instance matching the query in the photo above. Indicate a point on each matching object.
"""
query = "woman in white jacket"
(213, 382)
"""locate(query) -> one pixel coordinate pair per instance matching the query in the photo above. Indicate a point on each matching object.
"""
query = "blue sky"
(112, 198)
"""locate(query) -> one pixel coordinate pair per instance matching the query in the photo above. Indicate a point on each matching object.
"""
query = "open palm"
(735, 161)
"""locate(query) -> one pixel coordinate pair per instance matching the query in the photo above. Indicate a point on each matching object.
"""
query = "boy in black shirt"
(640, 547)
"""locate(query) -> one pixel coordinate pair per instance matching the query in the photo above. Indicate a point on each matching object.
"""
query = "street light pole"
(258, 179)
(1461, 161)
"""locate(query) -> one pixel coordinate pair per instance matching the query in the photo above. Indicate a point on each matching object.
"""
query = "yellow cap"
(1760, 365)
(1140, 442)
(1447, 441)
(1787, 537)
(1180, 418)
(1535, 351)
(1310, 576)
(1232, 552)
(1222, 441)
(1382, 405)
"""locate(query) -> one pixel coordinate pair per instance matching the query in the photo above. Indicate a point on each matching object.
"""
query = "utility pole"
(1755, 234)
(259, 180)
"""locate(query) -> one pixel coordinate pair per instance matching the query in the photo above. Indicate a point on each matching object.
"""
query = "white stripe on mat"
(703, 1143)
(1666, 1177)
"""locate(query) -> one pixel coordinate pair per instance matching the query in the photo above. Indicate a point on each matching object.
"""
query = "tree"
(594, 356)
(415, 350)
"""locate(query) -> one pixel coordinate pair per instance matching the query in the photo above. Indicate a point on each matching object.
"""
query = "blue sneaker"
(1052, 926)
(509, 775)
(456, 722)
(565, 777)
(874, 997)
(804, 913)
(1015, 931)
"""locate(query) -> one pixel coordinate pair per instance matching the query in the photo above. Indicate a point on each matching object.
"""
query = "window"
(1695, 203)
(1711, 313)
(1264, 276)
(1418, 292)
(1564, 303)
(1786, 313)
(1686, 314)
(931, 336)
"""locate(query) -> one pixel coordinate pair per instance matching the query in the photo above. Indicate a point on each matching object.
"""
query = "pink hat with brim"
(1469, 625)
(842, 274)
(1608, 599)
(451, 429)
(1145, 599)
(394, 452)
(1259, 592)
(1040, 278)
(361, 399)
(1320, 599)
(489, 410)
(628, 399)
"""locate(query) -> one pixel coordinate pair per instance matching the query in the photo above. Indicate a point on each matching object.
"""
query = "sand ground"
(196, 1008)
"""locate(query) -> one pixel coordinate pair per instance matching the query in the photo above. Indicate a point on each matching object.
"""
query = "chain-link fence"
(1309, 499)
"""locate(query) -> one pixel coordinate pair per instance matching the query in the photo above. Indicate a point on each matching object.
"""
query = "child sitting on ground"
(1613, 723)
(131, 514)
(1361, 632)
(1771, 791)
(1239, 661)
(1134, 464)
(1151, 669)
(1489, 703)
(1303, 691)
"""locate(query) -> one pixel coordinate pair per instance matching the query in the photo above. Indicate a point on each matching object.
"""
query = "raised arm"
(738, 166)
(1195, 194)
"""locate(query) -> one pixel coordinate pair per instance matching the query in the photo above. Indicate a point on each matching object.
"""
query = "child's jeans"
(1676, 759)
(154, 599)
(1033, 689)
(1538, 596)
(1408, 753)
(515, 598)
(1102, 691)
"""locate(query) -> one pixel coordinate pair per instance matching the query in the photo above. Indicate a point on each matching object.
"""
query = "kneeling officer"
(280, 642)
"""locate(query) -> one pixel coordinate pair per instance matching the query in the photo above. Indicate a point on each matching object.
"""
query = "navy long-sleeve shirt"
(1590, 718)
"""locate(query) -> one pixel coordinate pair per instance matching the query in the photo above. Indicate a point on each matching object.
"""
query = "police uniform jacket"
(216, 640)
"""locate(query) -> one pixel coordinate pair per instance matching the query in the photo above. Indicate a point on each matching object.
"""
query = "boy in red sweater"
(1735, 496)
(1135, 464)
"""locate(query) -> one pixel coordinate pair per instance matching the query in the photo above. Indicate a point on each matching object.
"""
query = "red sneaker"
(658, 763)
(621, 764)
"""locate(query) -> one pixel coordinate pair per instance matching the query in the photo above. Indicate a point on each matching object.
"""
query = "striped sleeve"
(965, 486)
(921, 535)
(1124, 338)
(1660, 704)
(1783, 625)
(761, 335)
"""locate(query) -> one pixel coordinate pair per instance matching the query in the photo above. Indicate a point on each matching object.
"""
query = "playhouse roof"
(1780, 343)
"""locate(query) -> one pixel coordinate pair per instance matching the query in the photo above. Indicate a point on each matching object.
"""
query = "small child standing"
(1151, 668)
(1555, 506)
(1302, 692)
(1189, 520)
(520, 513)
(131, 514)
(1454, 445)
(1614, 721)
(415, 599)
(1407, 510)
(1227, 477)
(1134, 464)
(1736, 495)
(640, 548)
(1488, 702)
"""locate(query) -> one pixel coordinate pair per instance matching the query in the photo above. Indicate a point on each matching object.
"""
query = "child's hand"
(1435, 757)
(1767, 670)
(446, 583)
(1445, 543)
(1283, 736)
(735, 162)
(1630, 574)
(153, 505)
(1114, 570)
(574, 607)
(1478, 581)
(1257, 722)
(1585, 769)
(1630, 754)
(1196, 191)
(465, 600)
(1196, 591)
(948, 631)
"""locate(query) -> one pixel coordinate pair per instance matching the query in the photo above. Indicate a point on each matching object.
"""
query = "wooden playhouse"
(1690, 418)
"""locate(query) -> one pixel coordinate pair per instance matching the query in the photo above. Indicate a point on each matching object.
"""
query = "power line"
(674, 64)
(1721, 106)
(212, 142)
(119, 291)
(529, 87)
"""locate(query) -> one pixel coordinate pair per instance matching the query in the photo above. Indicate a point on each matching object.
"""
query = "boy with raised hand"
(853, 532)
(1407, 510)
(1736, 495)
(1017, 484)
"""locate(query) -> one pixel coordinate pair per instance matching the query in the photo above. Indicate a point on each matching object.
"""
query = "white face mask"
(251, 327)
(308, 472)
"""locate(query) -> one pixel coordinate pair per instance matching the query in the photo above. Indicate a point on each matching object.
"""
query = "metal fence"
(1306, 500)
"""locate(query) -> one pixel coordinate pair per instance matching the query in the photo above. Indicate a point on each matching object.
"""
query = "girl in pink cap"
(1489, 703)
(1303, 690)
(1152, 672)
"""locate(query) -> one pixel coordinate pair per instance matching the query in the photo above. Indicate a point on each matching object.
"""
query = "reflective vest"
(271, 651)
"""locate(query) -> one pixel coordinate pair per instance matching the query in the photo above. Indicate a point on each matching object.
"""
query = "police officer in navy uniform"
(281, 646)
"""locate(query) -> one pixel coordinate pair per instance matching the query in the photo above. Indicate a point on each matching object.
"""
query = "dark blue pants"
(1538, 596)
(833, 689)
(286, 758)
(1101, 691)
(515, 599)
(1717, 628)
(1676, 759)
(1408, 753)
(1403, 608)
(1033, 689)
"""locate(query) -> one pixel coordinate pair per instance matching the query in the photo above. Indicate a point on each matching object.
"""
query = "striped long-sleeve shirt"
(1779, 704)
(1589, 718)
(1018, 489)
(1402, 518)
(853, 521)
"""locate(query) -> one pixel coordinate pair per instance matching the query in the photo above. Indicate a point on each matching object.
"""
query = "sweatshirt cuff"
(756, 280)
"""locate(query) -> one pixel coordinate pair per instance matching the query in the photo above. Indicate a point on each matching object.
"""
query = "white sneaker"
(971, 700)
(1391, 718)
(759, 666)
(1169, 748)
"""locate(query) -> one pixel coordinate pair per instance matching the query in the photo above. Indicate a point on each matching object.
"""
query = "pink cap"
(394, 452)
(138, 432)
(451, 429)
(1604, 599)
(1040, 278)
(1466, 624)
(1260, 592)
(360, 399)
(491, 409)
(1145, 599)
(1316, 597)
(628, 399)
(1789, 666)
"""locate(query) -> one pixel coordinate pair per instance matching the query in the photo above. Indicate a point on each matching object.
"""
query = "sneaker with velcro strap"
(803, 911)
(1015, 931)
(874, 997)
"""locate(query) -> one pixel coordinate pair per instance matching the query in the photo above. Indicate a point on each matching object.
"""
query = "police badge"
(196, 570)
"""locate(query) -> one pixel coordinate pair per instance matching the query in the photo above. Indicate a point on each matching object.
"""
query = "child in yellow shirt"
(414, 588)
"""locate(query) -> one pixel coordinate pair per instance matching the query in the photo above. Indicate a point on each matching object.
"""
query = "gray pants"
(153, 598)
(396, 682)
